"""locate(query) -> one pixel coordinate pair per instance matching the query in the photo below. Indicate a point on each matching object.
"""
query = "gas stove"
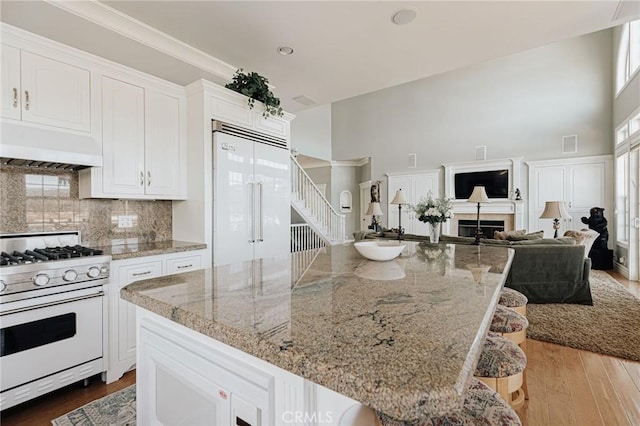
(41, 262)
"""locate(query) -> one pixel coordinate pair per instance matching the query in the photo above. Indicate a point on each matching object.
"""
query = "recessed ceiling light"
(403, 16)
(285, 50)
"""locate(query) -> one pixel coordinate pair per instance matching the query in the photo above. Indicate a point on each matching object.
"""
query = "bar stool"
(514, 300)
(482, 406)
(513, 326)
(501, 366)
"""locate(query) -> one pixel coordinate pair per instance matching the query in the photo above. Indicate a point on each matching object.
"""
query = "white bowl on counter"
(379, 250)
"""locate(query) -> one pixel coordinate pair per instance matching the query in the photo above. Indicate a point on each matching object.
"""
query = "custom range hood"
(48, 147)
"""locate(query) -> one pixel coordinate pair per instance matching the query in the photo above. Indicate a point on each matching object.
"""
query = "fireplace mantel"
(511, 210)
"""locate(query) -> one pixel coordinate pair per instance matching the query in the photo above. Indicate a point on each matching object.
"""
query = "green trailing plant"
(256, 88)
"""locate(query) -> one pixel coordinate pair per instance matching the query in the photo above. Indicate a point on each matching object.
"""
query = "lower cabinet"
(122, 314)
(186, 378)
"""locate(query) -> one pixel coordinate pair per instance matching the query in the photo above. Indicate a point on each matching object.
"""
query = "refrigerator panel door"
(273, 212)
(233, 199)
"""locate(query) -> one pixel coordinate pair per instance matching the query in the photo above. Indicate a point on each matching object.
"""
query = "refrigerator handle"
(251, 212)
(261, 218)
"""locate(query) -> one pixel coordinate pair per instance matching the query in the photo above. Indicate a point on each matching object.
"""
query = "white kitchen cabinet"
(414, 186)
(122, 320)
(45, 91)
(143, 145)
(582, 183)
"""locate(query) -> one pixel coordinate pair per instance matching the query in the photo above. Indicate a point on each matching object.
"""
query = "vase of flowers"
(433, 211)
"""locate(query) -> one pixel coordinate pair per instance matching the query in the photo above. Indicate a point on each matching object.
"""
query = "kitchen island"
(319, 333)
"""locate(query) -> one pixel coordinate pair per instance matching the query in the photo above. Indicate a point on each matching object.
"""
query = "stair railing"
(303, 237)
(322, 212)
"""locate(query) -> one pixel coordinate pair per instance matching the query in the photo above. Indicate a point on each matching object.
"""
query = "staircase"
(313, 207)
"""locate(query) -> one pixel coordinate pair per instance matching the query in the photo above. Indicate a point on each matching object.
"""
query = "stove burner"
(47, 254)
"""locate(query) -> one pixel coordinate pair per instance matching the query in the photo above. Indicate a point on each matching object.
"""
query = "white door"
(162, 144)
(234, 200)
(272, 206)
(549, 184)
(55, 93)
(365, 199)
(10, 84)
(122, 137)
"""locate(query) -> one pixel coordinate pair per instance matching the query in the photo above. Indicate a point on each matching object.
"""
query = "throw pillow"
(584, 237)
(503, 235)
(530, 236)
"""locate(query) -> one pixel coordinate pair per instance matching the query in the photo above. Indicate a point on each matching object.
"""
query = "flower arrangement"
(256, 88)
(433, 210)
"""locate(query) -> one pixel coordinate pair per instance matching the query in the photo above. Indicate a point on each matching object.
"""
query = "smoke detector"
(403, 16)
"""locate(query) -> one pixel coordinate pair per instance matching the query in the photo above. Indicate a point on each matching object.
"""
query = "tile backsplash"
(39, 200)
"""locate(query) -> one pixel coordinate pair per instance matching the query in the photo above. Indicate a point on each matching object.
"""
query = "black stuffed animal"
(598, 223)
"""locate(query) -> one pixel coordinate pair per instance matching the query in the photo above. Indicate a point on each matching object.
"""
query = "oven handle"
(46, 305)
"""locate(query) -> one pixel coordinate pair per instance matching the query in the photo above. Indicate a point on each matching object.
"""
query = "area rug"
(118, 408)
(611, 326)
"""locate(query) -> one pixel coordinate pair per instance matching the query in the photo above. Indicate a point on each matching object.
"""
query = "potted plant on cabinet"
(256, 88)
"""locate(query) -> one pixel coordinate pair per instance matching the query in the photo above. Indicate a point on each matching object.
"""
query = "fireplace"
(467, 228)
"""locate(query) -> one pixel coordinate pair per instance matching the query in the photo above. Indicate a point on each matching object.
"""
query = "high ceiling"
(341, 49)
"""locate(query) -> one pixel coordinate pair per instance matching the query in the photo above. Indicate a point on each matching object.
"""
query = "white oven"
(51, 314)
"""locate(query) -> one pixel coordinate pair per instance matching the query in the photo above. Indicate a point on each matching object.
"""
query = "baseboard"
(621, 269)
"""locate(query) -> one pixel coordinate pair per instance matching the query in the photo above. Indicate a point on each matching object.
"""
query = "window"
(628, 54)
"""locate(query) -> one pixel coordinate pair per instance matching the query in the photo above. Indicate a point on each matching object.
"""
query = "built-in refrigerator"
(251, 190)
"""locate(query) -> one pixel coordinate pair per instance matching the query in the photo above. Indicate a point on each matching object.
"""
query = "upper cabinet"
(143, 137)
(41, 90)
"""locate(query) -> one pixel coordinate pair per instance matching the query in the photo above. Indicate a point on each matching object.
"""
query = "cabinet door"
(182, 264)
(126, 312)
(585, 189)
(162, 144)
(10, 84)
(272, 206)
(406, 184)
(549, 184)
(423, 184)
(55, 93)
(122, 137)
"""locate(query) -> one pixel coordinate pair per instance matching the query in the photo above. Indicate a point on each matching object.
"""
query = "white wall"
(311, 132)
(518, 106)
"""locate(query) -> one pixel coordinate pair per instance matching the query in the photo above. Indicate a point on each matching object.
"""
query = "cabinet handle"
(139, 274)
(15, 97)
(148, 178)
(141, 178)
(26, 100)
(185, 266)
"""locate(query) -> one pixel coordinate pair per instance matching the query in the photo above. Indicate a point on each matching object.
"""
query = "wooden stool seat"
(501, 366)
(482, 406)
(514, 300)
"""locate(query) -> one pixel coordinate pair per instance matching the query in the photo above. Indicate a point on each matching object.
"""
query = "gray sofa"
(545, 270)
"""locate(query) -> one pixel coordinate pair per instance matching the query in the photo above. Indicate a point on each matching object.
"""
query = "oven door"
(46, 335)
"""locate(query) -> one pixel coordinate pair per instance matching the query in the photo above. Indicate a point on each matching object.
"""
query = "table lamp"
(399, 200)
(479, 195)
(555, 210)
(374, 210)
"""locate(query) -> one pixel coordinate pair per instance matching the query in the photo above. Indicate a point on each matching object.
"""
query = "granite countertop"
(127, 251)
(402, 336)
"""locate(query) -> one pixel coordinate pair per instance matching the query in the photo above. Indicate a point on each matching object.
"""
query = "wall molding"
(120, 23)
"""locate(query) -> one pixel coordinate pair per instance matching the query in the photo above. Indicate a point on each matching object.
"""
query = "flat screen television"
(495, 182)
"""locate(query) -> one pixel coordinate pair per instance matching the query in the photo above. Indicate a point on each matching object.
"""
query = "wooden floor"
(566, 386)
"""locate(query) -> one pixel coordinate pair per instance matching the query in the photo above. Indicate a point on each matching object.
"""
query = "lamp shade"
(479, 195)
(373, 209)
(555, 210)
(399, 198)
